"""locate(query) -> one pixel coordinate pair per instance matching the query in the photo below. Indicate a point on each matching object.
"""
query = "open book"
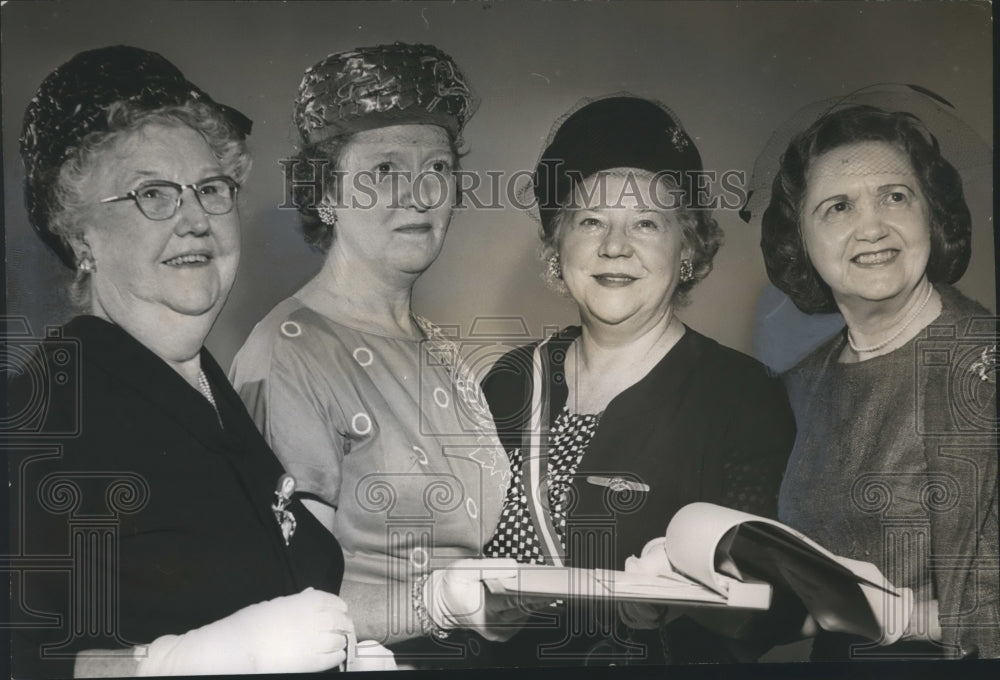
(571, 582)
(719, 557)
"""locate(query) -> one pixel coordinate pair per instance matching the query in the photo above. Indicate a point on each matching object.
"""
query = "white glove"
(925, 622)
(371, 656)
(456, 597)
(652, 561)
(891, 613)
(306, 632)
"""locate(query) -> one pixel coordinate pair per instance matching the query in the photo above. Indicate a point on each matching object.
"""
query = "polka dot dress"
(515, 536)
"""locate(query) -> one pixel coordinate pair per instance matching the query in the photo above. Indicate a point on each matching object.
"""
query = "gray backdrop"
(731, 71)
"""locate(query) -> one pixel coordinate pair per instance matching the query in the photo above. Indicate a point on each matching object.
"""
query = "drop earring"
(327, 214)
(555, 266)
(687, 270)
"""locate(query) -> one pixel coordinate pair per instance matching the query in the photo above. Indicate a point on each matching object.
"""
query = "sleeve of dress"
(961, 496)
(298, 414)
(745, 474)
(758, 440)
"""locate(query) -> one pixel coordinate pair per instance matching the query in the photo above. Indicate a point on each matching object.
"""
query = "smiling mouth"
(421, 228)
(189, 259)
(876, 258)
(614, 280)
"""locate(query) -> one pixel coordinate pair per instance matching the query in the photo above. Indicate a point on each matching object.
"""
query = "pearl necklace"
(206, 388)
(206, 391)
(906, 324)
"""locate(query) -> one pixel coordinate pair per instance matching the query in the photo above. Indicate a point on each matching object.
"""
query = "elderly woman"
(895, 460)
(365, 402)
(151, 507)
(632, 415)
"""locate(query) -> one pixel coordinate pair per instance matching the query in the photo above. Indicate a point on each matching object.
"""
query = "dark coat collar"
(658, 392)
(110, 349)
(672, 369)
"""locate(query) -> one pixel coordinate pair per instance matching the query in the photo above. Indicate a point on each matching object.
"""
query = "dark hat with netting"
(886, 128)
(373, 87)
(620, 131)
(73, 101)
(937, 117)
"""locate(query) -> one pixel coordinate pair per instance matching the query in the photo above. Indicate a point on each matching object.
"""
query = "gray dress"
(895, 463)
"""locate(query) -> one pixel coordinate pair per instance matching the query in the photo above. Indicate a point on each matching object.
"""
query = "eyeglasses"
(160, 199)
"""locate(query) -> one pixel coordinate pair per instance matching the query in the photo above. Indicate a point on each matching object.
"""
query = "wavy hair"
(69, 201)
(788, 265)
(701, 232)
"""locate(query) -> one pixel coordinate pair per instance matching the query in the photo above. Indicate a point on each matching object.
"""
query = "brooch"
(286, 520)
(986, 364)
(618, 484)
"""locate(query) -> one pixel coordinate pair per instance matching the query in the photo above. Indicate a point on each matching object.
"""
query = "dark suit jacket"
(141, 513)
(707, 423)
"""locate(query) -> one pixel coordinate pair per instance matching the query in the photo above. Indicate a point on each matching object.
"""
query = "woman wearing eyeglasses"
(152, 506)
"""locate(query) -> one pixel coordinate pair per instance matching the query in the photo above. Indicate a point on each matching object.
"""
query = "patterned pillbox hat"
(373, 87)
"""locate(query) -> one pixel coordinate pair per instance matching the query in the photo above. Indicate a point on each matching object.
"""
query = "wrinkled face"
(185, 264)
(620, 251)
(865, 222)
(396, 199)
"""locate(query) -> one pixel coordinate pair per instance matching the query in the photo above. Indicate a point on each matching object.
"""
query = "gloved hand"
(891, 613)
(305, 632)
(371, 656)
(643, 615)
(925, 622)
(455, 597)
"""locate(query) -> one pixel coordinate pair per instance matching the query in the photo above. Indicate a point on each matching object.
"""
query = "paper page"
(788, 542)
(697, 529)
(567, 582)
(692, 537)
(843, 595)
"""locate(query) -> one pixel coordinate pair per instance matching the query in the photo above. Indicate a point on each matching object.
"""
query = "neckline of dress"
(419, 320)
(842, 342)
(674, 355)
(573, 414)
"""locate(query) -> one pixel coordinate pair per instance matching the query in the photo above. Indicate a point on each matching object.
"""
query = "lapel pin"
(286, 520)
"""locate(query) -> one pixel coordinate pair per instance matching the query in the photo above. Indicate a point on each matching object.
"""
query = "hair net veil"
(962, 146)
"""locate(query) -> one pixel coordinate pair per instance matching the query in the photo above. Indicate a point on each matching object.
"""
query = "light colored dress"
(393, 432)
